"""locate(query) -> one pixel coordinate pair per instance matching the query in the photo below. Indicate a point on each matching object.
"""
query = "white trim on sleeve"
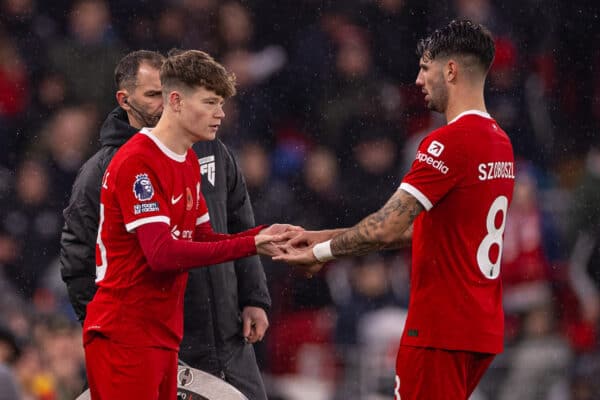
(202, 219)
(130, 227)
(407, 187)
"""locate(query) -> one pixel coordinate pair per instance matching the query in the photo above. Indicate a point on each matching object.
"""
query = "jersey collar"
(169, 153)
(471, 112)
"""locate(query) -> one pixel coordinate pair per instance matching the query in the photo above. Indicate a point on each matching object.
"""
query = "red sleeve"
(205, 233)
(164, 253)
(439, 166)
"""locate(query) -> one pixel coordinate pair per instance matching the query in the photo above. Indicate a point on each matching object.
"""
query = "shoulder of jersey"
(138, 145)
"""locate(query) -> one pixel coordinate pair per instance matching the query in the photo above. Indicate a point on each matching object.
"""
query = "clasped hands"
(291, 244)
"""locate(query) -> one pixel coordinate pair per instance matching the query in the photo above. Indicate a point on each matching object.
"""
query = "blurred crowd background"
(325, 125)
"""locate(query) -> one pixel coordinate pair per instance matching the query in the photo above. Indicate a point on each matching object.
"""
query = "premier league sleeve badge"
(142, 187)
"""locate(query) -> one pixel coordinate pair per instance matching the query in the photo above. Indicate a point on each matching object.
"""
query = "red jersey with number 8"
(463, 175)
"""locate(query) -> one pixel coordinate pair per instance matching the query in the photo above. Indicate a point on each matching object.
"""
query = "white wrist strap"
(322, 251)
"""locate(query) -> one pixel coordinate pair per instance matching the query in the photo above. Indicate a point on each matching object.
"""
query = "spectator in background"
(366, 325)
(65, 142)
(584, 232)
(395, 26)
(255, 67)
(94, 48)
(9, 353)
(319, 190)
(506, 95)
(32, 222)
(356, 94)
(373, 158)
(14, 97)
(312, 63)
(63, 355)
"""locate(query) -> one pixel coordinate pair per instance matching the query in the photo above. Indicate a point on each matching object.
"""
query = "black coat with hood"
(215, 295)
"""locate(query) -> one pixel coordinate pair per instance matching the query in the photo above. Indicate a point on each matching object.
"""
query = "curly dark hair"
(195, 68)
(459, 37)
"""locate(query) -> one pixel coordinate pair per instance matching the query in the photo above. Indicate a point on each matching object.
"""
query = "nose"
(220, 113)
(419, 80)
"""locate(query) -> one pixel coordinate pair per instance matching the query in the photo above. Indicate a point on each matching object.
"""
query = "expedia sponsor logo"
(437, 164)
(496, 170)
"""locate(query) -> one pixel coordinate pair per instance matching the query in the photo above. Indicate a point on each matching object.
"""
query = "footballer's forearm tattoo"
(396, 216)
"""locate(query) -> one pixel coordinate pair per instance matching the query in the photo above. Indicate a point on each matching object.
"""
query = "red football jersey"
(463, 175)
(144, 183)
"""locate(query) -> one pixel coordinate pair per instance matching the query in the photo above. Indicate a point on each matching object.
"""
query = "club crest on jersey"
(207, 168)
(142, 187)
(435, 148)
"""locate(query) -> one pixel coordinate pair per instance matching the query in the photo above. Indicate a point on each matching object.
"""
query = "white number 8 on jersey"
(490, 269)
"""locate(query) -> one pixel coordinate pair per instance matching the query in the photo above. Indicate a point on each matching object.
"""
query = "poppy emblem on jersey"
(189, 199)
(435, 148)
(142, 187)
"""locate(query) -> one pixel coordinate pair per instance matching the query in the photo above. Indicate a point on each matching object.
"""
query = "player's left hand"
(254, 323)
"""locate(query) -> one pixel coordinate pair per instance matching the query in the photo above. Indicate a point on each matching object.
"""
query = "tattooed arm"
(390, 227)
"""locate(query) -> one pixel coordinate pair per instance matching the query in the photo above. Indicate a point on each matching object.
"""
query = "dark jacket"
(214, 295)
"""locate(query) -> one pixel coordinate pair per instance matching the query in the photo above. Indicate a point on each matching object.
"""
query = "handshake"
(291, 244)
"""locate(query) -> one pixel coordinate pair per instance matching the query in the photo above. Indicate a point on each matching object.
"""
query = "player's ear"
(175, 100)
(450, 70)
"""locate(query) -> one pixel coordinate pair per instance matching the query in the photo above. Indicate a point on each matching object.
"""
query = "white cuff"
(322, 251)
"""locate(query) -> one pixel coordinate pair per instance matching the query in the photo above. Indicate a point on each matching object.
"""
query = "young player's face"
(146, 96)
(432, 83)
(202, 113)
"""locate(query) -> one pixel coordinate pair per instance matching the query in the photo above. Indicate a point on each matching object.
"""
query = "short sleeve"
(438, 167)
(139, 195)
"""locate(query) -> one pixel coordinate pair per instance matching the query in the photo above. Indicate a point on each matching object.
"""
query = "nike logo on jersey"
(175, 200)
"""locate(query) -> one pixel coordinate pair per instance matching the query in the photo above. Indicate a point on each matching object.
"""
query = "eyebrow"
(151, 92)
(214, 98)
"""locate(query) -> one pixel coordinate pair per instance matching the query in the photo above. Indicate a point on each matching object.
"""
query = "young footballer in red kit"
(463, 177)
(154, 226)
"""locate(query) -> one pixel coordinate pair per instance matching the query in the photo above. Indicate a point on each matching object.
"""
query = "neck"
(465, 99)
(171, 136)
(134, 122)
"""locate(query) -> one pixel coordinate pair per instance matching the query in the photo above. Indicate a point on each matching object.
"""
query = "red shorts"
(117, 371)
(434, 374)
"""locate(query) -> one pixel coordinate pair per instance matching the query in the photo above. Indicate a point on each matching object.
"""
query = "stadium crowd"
(326, 122)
